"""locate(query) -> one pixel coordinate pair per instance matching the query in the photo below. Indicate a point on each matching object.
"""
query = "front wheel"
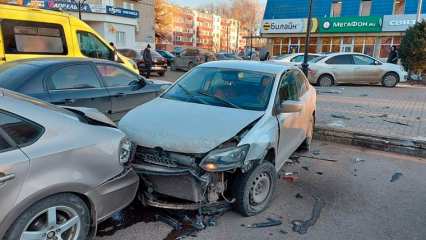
(60, 217)
(325, 81)
(253, 190)
(390, 80)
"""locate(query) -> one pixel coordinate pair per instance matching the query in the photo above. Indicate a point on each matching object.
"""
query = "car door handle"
(5, 178)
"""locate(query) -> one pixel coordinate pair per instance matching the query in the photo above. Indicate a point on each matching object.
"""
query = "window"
(120, 38)
(341, 59)
(73, 77)
(91, 46)
(387, 43)
(336, 8)
(363, 60)
(21, 131)
(289, 88)
(365, 8)
(115, 76)
(4, 145)
(398, 7)
(33, 38)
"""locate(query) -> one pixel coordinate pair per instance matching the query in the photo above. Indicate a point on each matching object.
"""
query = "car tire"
(325, 80)
(306, 145)
(65, 207)
(247, 189)
(390, 80)
(161, 74)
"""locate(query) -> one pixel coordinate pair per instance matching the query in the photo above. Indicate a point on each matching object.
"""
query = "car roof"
(266, 67)
(48, 61)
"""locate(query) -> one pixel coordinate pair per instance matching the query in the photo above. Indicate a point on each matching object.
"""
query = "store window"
(120, 38)
(369, 45)
(365, 8)
(398, 7)
(336, 8)
(386, 45)
(326, 43)
(335, 44)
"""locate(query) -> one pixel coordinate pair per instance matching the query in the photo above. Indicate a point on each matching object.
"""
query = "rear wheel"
(253, 190)
(325, 81)
(390, 80)
(60, 217)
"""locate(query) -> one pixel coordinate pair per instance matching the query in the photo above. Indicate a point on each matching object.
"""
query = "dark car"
(191, 57)
(167, 55)
(80, 82)
(159, 62)
(227, 56)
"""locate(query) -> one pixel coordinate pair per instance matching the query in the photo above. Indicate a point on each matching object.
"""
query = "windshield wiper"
(190, 94)
(220, 99)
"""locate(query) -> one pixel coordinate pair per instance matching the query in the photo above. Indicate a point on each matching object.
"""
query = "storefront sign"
(283, 25)
(122, 12)
(351, 24)
(399, 23)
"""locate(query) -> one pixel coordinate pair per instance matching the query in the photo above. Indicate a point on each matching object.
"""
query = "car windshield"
(224, 87)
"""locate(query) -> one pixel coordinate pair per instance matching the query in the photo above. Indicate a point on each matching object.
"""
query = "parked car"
(159, 62)
(294, 59)
(355, 68)
(34, 33)
(81, 82)
(191, 57)
(167, 55)
(61, 171)
(234, 125)
(227, 56)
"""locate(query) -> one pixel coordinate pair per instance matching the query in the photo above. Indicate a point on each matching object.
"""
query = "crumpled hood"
(184, 127)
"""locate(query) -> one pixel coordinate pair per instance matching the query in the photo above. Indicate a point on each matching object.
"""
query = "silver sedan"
(61, 171)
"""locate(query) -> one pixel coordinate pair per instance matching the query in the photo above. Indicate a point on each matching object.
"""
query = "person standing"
(393, 56)
(147, 59)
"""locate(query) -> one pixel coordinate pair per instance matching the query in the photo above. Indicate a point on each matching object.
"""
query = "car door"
(78, 85)
(126, 89)
(291, 130)
(366, 69)
(14, 164)
(342, 67)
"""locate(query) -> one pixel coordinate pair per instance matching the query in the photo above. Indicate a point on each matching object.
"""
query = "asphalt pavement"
(338, 192)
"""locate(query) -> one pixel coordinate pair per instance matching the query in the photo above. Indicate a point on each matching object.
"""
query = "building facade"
(366, 26)
(126, 23)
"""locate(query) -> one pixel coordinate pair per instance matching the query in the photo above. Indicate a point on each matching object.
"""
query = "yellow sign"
(266, 26)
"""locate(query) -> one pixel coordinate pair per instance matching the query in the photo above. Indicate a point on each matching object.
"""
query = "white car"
(354, 68)
(294, 58)
(221, 132)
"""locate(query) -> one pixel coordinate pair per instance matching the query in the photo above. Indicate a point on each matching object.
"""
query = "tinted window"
(363, 60)
(33, 38)
(91, 46)
(73, 77)
(4, 145)
(21, 131)
(115, 76)
(341, 59)
(289, 87)
(16, 76)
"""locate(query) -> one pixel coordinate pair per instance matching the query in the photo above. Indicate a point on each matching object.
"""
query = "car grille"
(154, 156)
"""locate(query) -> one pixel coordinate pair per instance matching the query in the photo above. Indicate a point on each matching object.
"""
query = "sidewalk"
(394, 116)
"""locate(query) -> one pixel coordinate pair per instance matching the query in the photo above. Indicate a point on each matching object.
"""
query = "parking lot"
(346, 192)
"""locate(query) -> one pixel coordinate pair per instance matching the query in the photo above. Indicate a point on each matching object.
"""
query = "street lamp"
(305, 64)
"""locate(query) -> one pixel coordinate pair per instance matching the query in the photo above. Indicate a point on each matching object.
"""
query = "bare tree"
(164, 15)
(248, 12)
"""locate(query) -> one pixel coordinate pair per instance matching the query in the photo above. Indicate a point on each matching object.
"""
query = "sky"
(196, 3)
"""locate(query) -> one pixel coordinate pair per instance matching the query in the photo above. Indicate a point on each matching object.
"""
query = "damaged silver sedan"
(220, 134)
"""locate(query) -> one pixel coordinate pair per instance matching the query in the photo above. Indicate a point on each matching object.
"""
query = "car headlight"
(225, 159)
(125, 151)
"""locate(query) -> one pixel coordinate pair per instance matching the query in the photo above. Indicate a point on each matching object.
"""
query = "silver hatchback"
(61, 171)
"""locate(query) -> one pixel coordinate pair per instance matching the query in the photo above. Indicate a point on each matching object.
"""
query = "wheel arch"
(391, 72)
(326, 74)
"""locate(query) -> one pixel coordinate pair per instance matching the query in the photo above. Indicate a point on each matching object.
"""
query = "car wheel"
(60, 217)
(390, 80)
(325, 81)
(253, 190)
(161, 74)
(306, 145)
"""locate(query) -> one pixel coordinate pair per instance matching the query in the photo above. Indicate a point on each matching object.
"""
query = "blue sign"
(122, 12)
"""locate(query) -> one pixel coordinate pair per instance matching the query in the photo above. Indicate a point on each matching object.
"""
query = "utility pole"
(419, 10)
(80, 5)
(251, 43)
(227, 37)
(305, 64)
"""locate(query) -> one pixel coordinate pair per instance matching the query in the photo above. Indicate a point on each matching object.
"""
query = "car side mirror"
(290, 106)
(142, 81)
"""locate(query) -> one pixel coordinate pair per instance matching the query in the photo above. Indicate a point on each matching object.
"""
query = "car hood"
(184, 127)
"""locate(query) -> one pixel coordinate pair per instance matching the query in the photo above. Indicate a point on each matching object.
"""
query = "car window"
(363, 60)
(289, 87)
(297, 59)
(4, 145)
(73, 77)
(310, 57)
(33, 38)
(22, 132)
(91, 46)
(21, 77)
(115, 76)
(301, 83)
(341, 59)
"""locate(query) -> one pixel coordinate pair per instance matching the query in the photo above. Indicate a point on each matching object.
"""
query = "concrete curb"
(411, 147)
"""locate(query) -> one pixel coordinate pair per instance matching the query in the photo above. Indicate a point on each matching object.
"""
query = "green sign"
(351, 24)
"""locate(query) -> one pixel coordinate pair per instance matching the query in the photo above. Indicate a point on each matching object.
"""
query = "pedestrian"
(147, 59)
(266, 57)
(393, 56)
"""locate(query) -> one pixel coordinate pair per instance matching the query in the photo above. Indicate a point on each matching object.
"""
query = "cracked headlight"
(225, 159)
(125, 153)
